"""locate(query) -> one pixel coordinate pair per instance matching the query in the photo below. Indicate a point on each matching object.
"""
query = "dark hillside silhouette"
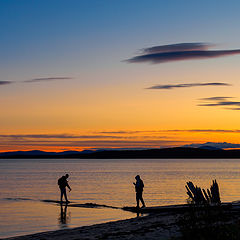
(178, 152)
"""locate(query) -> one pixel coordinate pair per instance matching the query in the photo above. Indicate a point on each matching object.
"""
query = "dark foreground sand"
(157, 226)
(161, 223)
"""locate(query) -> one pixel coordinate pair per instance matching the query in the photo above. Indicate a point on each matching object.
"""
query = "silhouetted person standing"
(139, 190)
(63, 183)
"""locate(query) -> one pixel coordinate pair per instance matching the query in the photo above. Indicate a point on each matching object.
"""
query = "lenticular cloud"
(179, 52)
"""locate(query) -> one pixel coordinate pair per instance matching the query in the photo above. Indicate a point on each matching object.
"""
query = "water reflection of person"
(63, 219)
(139, 190)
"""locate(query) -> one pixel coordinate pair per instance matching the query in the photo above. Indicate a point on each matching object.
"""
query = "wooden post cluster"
(200, 196)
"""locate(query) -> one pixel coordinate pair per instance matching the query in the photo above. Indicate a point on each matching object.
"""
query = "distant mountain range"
(177, 152)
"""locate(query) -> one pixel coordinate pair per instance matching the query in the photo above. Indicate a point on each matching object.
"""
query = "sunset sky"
(90, 74)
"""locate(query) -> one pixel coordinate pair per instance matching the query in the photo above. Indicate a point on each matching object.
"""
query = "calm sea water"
(24, 183)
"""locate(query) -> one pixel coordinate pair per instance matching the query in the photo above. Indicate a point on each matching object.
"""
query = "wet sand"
(157, 223)
(154, 226)
(149, 223)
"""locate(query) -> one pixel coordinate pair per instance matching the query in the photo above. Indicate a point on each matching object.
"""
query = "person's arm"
(69, 187)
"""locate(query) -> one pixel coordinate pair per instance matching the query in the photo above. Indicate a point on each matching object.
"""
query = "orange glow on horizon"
(59, 142)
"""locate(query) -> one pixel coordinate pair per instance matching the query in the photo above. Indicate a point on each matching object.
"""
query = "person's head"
(66, 175)
(137, 177)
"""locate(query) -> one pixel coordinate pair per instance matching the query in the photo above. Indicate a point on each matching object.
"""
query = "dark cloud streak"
(233, 109)
(57, 136)
(214, 98)
(5, 82)
(179, 56)
(37, 80)
(93, 143)
(47, 79)
(176, 131)
(185, 85)
(179, 52)
(219, 101)
(177, 47)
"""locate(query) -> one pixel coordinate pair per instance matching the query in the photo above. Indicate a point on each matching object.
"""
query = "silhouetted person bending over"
(63, 183)
(139, 190)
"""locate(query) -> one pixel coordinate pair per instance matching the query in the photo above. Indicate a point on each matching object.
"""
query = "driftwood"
(200, 196)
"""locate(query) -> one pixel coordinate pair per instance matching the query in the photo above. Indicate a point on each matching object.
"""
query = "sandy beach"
(153, 226)
(154, 223)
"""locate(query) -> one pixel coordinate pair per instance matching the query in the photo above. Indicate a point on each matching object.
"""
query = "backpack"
(60, 181)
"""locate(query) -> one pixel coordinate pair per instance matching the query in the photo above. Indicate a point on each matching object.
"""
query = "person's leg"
(142, 201)
(61, 198)
(65, 195)
(137, 199)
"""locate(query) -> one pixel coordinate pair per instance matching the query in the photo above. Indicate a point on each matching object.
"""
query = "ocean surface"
(25, 183)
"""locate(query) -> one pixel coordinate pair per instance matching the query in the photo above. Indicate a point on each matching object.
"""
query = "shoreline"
(160, 223)
(135, 228)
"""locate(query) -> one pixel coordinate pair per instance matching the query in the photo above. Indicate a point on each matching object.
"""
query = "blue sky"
(47, 35)
(84, 45)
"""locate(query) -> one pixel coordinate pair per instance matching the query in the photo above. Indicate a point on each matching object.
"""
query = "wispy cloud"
(177, 47)
(187, 85)
(117, 135)
(220, 101)
(209, 130)
(122, 132)
(233, 108)
(57, 136)
(214, 98)
(93, 143)
(85, 141)
(5, 82)
(155, 132)
(63, 137)
(180, 51)
(47, 79)
(108, 139)
(36, 80)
